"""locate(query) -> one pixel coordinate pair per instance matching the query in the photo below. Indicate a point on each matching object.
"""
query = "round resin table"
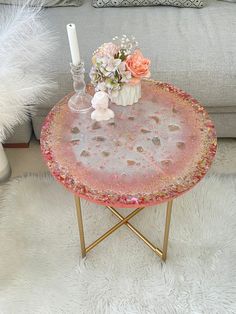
(151, 152)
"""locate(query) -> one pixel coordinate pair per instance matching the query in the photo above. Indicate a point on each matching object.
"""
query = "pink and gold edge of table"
(151, 152)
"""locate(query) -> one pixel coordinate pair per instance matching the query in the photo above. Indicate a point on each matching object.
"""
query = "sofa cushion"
(46, 3)
(141, 3)
(21, 134)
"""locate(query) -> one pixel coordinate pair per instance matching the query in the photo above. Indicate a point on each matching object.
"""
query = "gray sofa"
(194, 49)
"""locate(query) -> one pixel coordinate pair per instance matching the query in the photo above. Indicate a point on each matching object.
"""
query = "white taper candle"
(73, 41)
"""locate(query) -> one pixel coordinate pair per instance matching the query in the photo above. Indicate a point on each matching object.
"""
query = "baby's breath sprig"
(127, 45)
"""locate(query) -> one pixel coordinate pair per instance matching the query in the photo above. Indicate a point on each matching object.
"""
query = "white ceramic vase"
(5, 170)
(128, 95)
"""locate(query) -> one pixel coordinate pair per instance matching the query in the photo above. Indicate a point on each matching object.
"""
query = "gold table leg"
(167, 229)
(80, 224)
(110, 231)
(139, 234)
(125, 220)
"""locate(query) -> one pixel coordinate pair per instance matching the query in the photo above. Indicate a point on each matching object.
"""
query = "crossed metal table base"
(124, 221)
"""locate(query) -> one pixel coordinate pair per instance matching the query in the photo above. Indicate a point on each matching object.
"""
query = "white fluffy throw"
(41, 271)
(25, 42)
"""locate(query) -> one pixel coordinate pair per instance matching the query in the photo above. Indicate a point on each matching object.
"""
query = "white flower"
(107, 49)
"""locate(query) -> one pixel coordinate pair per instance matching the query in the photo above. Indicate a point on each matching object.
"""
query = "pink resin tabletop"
(149, 153)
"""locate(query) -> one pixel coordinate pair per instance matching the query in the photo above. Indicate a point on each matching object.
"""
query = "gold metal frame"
(124, 220)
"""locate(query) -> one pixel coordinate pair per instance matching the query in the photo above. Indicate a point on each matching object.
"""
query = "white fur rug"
(41, 270)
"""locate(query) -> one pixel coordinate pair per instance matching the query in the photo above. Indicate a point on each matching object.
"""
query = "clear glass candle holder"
(81, 100)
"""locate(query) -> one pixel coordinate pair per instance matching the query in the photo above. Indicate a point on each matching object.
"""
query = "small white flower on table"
(100, 103)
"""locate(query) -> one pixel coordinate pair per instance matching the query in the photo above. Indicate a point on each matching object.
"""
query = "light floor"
(29, 160)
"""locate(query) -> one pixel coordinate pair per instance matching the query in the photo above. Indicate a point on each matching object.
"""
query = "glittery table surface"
(149, 153)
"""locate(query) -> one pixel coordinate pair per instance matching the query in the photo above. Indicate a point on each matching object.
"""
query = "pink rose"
(107, 49)
(138, 66)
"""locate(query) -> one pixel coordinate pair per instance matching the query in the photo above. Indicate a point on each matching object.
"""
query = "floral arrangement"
(118, 63)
